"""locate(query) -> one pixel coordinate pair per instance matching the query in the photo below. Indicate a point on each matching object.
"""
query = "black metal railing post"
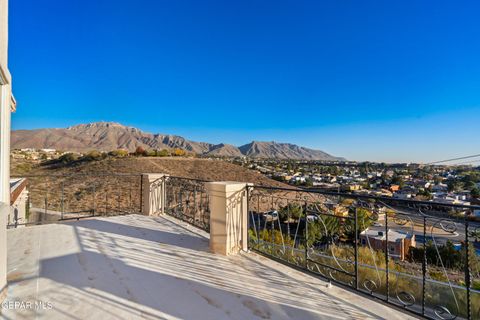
(288, 222)
(195, 206)
(305, 214)
(180, 193)
(424, 264)
(258, 222)
(387, 284)
(141, 193)
(164, 195)
(106, 199)
(62, 201)
(272, 243)
(119, 208)
(356, 248)
(94, 198)
(130, 196)
(46, 200)
(467, 271)
(249, 216)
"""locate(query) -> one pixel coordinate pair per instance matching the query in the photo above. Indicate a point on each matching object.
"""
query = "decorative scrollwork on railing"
(443, 313)
(448, 226)
(407, 299)
(187, 200)
(374, 244)
(370, 285)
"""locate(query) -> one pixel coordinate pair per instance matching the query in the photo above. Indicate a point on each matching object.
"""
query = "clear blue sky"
(367, 80)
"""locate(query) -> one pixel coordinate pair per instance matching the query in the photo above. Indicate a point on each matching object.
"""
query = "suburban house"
(398, 243)
(337, 209)
(394, 187)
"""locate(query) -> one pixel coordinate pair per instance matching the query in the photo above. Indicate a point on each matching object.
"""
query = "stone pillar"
(228, 217)
(153, 193)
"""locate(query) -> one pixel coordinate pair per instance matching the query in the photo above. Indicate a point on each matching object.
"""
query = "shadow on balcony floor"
(134, 266)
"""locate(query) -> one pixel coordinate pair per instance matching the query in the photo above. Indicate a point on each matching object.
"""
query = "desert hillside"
(204, 169)
(113, 185)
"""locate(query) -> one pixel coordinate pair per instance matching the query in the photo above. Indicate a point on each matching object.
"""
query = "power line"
(468, 162)
(460, 158)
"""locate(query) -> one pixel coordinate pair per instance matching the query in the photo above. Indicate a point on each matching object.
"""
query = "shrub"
(178, 152)
(23, 168)
(119, 153)
(93, 156)
(68, 158)
(151, 153)
(163, 153)
(140, 151)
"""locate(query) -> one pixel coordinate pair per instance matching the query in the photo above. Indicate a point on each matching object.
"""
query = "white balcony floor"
(138, 267)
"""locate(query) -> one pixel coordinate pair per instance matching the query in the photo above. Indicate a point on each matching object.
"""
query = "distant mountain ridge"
(107, 136)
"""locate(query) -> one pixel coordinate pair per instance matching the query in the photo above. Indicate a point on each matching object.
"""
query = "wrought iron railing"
(421, 256)
(187, 200)
(63, 197)
(418, 255)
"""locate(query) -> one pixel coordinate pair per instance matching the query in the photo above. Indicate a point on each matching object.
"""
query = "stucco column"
(4, 182)
(5, 108)
(153, 193)
(228, 217)
(5, 97)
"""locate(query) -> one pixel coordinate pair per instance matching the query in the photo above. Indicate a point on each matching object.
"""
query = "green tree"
(398, 180)
(475, 193)
(469, 185)
(364, 220)
(454, 185)
(309, 182)
(292, 210)
(325, 230)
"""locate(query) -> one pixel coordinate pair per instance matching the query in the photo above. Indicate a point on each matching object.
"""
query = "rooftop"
(134, 266)
(379, 234)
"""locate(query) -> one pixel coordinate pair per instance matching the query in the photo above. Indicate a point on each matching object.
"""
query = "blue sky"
(367, 80)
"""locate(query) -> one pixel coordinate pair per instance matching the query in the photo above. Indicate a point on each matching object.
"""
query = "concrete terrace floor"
(139, 267)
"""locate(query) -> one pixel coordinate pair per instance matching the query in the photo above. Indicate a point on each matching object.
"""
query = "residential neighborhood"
(454, 184)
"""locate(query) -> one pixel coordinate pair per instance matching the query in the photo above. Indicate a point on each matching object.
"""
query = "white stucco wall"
(5, 104)
(4, 39)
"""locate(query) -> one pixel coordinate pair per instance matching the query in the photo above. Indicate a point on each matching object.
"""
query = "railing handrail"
(190, 179)
(362, 196)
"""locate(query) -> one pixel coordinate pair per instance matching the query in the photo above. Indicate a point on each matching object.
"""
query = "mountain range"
(107, 136)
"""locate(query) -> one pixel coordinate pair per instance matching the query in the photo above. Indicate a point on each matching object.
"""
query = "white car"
(271, 215)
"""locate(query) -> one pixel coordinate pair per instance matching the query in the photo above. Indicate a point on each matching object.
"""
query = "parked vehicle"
(271, 215)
